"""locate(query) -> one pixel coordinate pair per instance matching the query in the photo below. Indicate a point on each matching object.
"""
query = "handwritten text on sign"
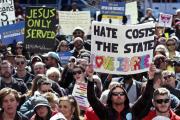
(7, 11)
(40, 29)
(122, 49)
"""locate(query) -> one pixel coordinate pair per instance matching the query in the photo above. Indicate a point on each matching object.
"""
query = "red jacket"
(90, 114)
(152, 114)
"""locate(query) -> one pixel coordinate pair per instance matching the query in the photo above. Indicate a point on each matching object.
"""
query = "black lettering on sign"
(107, 47)
(140, 33)
(105, 31)
(139, 47)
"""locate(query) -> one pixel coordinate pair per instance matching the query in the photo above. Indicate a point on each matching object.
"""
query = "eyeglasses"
(18, 63)
(118, 93)
(19, 47)
(75, 72)
(64, 45)
(168, 76)
(160, 101)
(171, 44)
(45, 91)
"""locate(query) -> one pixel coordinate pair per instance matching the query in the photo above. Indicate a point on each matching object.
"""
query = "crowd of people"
(39, 87)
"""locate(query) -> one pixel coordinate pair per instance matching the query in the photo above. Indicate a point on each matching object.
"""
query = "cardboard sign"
(40, 29)
(64, 57)
(113, 8)
(12, 33)
(165, 20)
(68, 20)
(80, 94)
(122, 49)
(7, 11)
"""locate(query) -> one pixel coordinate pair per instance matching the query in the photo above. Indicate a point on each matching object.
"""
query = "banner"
(165, 20)
(12, 33)
(64, 57)
(40, 29)
(112, 8)
(68, 20)
(122, 49)
(7, 11)
(80, 94)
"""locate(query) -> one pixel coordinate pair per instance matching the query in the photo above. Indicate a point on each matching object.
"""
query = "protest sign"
(40, 29)
(64, 57)
(112, 8)
(165, 20)
(12, 33)
(131, 9)
(122, 49)
(7, 11)
(68, 20)
(80, 94)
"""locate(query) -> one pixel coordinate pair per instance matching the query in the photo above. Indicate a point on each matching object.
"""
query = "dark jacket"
(105, 112)
(18, 116)
(16, 84)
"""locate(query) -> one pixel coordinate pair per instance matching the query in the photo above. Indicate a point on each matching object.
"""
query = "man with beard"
(78, 45)
(117, 107)
(7, 80)
(161, 101)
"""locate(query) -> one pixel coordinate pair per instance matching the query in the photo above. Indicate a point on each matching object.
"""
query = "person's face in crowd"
(42, 111)
(171, 45)
(162, 103)
(78, 74)
(63, 46)
(9, 104)
(45, 88)
(163, 64)
(54, 76)
(170, 79)
(78, 44)
(66, 109)
(83, 62)
(177, 68)
(6, 70)
(54, 106)
(39, 69)
(19, 49)
(118, 96)
(51, 62)
(78, 33)
(149, 13)
(20, 63)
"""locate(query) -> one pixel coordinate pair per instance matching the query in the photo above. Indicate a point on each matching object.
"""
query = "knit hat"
(78, 39)
(40, 101)
(78, 28)
(35, 59)
(53, 55)
(58, 116)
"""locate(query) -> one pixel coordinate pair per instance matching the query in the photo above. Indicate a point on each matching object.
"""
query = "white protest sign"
(122, 49)
(165, 20)
(80, 94)
(7, 11)
(68, 20)
(131, 9)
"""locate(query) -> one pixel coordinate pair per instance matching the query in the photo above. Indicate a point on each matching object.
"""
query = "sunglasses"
(45, 91)
(77, 72)
(18, 63)
(118, 93)
(160, 101)
(168, 76)
(171, 44)
(19, 47)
